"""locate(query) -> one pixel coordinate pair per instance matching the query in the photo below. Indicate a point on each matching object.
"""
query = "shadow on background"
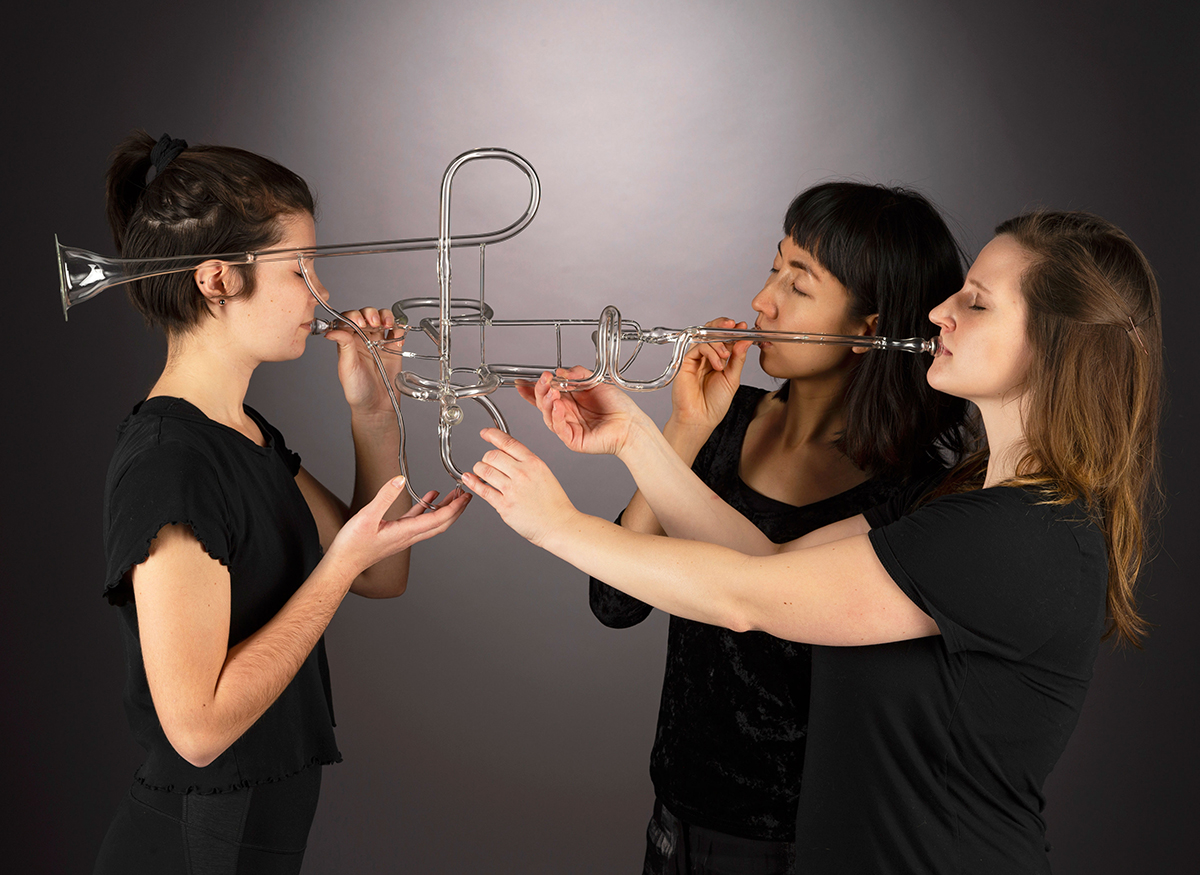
(488, 723)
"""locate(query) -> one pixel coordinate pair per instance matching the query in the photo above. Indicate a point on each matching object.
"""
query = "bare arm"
(375, 461)
(836, 593)
(605, 420)
(682, 503)
(638, 516)
(376, 440)
(701, 393)
(207, 694)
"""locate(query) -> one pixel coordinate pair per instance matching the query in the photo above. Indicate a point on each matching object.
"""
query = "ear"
(870, 324)
(217, 281)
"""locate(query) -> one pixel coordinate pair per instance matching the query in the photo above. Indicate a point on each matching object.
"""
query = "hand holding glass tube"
(83, 274)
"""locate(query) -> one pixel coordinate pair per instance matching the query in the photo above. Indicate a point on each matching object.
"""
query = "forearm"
(835, 594)
(687, 443)
(256, 670)
(669, 574)
(683, 506)
(376, 460)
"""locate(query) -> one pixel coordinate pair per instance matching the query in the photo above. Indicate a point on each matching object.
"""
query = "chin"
(763, 359)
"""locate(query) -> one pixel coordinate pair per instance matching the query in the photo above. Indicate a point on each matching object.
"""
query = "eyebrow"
(799, 265)
(975, 282)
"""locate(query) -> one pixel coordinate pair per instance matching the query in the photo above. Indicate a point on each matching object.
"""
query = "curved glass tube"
(611, 332)
(83, 274)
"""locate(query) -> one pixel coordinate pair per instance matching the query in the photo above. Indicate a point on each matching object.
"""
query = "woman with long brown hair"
(964, 621)
(844, 432)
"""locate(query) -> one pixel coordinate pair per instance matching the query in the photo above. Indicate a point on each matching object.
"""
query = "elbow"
(739, 624)
(193, 739)
(377, 588)
(198, 758)
(739, 618)
(198, 748)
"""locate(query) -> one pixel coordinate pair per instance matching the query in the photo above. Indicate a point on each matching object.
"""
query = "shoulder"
(1011, 505)
(1003, 532)
(744, 407)
(1005, 510)
(1000, 569)
(162, 435)
(749, 395)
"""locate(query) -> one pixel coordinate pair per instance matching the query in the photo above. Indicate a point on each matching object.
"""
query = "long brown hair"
(1093, 391)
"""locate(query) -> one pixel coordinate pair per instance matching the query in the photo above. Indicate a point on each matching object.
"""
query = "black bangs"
(893, 252)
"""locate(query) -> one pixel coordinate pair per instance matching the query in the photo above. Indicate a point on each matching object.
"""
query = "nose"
(764, 301)
(321, 290)
(314, 284)
(940, 315)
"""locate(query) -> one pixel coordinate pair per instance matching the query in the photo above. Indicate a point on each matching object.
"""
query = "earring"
(221, 302)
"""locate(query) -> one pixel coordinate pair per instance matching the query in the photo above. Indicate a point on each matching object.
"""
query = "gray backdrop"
(488, 723)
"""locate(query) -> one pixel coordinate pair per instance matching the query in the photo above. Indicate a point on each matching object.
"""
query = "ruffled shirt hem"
(238, 785)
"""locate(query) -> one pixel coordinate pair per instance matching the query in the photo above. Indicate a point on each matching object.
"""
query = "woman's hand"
(367, 537)
(520, 487)
(357, 372)
(597, 420)
(707, 380)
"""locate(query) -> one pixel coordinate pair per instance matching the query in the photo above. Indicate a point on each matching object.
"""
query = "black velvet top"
(729, 749)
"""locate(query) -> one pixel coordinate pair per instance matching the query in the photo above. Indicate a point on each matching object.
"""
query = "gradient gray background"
(488, 723)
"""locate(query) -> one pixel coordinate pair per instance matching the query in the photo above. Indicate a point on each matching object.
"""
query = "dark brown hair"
(208, 200)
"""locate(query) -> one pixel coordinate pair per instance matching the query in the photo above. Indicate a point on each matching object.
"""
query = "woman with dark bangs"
(845, 431)
(957, 627)
(226, 558)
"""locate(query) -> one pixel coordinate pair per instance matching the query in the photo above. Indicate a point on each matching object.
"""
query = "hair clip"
(1138, 335)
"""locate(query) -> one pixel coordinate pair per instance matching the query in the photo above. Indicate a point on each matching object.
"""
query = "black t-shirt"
(729, 748)
(173, 464)
(930, 755)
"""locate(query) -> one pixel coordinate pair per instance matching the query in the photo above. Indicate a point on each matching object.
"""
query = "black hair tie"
(165, 151)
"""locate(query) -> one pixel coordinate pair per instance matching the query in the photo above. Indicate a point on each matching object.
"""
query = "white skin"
(788, 452)
(207, 694)
(717, 567)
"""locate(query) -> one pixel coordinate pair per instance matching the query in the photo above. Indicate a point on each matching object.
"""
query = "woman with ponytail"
(958, 626)
(225, 557)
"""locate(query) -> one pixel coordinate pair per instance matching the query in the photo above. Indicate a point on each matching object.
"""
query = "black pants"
(674, 847)
(260, 830)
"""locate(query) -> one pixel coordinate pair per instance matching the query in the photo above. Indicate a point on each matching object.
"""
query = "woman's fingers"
(386, 496)
(374, 322)
(507, 445)
(407, 530)
(497, 467)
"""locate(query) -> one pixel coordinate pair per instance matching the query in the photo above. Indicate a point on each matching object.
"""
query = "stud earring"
(221, 302)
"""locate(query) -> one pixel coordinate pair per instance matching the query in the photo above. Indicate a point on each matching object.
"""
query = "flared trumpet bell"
(83, 274)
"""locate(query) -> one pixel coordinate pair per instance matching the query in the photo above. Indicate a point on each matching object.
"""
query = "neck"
(1004, 424)
(203, 371)
(815, 412)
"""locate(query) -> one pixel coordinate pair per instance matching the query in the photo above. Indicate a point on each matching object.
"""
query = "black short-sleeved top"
(173, 464)
(729, 748)
(930, 755)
